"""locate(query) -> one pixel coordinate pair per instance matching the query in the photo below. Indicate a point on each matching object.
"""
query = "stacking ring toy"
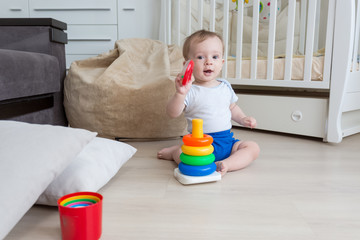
(189, 140)
(197, 151)
(197, 170)
(197, 160)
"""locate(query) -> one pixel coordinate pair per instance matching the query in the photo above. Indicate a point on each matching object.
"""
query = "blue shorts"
(223, 144)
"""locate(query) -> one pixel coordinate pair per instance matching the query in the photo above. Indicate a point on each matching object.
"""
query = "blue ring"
(197, 171)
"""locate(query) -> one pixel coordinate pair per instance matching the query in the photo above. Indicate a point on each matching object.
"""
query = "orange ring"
(189, 140)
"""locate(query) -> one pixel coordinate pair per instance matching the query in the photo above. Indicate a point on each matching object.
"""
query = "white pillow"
(31, 157)
(96, 164)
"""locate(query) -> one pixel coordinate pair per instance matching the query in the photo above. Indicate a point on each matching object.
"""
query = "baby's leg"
(170, 153)
(242, 154)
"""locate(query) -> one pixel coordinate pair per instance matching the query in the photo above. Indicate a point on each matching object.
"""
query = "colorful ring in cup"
(67, 200)
(189, 140)
(197, 151)
(197, 160)
(80, 203)
(197, 171)
(92, 201)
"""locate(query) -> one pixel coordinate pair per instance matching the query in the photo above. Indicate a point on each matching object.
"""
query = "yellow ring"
(197, 151)
(79, 197)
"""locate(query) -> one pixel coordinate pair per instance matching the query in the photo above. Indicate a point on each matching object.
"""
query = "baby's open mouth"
(208, 71)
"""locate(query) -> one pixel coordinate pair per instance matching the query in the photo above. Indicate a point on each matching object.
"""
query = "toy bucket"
(81, 216)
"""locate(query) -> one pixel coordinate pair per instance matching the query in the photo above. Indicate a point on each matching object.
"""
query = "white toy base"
(186, 180)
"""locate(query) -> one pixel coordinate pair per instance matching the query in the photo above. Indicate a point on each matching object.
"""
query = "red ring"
(189, 140)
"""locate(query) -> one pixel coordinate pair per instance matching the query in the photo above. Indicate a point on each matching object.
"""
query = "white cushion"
(96, 164)
(31, 157)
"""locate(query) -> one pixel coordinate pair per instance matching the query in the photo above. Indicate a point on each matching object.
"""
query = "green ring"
(197, 160)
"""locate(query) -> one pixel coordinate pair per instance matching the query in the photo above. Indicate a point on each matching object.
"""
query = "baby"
(212, 100)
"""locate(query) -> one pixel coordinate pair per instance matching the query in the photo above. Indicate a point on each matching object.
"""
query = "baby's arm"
(176, 104)
(239, 116)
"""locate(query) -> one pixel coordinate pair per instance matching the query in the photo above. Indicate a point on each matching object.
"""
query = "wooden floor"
(298, 188)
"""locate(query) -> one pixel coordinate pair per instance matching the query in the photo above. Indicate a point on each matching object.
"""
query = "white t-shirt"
(212, 105)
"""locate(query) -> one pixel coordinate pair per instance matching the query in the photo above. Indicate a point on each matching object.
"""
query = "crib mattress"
(297, 72)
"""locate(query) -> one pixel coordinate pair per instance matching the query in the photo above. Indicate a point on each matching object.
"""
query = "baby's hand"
(182, 89)
(248, 122)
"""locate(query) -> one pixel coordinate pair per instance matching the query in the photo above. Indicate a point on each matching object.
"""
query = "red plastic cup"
(82, 222)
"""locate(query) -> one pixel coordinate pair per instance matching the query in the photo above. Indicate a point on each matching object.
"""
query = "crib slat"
(302, 26)
(309, 48)
(212, 15)
(225, 36)
(239, 38)
(255, 39)
(329, 42)
(169, 21)
(317, 24)
(163, 22)
(290, 39)
(271, 41)
(178, 19)
(201, 13)
(356, 39)
(188, 17)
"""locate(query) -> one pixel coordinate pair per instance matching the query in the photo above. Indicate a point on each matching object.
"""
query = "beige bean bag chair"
(123, 93)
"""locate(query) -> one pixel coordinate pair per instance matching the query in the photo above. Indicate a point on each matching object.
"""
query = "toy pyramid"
(197, 160)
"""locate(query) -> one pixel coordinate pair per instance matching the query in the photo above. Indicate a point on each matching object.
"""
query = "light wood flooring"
(299, 188)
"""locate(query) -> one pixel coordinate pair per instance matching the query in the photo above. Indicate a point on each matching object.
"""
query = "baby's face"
(208, 59)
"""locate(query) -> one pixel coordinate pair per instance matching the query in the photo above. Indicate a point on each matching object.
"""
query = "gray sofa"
(32, 70)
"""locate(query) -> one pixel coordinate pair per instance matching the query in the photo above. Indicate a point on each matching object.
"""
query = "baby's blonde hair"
(198, 37)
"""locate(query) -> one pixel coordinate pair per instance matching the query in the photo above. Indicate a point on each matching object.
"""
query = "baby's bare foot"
(166, 153)
(221, 167)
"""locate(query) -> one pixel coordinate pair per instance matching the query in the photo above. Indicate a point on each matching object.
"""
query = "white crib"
(315, 94)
